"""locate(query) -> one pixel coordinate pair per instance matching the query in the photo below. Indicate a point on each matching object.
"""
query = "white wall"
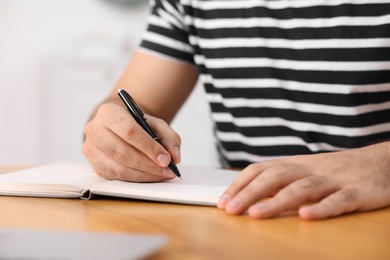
(58, 58)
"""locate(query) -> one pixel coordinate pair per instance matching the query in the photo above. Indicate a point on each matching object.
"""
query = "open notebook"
(200, 185)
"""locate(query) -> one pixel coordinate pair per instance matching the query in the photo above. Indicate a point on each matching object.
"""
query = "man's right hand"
(118, 148)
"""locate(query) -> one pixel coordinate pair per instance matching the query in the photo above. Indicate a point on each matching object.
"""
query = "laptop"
(72, 245)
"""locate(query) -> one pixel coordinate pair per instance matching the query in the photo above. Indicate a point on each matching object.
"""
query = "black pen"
(138, 115)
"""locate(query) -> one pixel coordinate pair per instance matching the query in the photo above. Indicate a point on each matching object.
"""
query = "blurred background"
(58, 60)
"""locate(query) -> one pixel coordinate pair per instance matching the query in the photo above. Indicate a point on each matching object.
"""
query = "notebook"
(75, 245)
(199, 186)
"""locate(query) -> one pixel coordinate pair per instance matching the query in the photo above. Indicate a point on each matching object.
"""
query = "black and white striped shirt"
(283, 77)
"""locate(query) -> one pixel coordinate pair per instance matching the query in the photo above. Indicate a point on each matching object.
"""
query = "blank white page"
(62, 173)
(200, 186)
(58, 180)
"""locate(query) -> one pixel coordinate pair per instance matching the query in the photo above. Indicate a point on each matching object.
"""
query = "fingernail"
(222, 201)
(234, 203)
(176, 150)
(163, 159)
(168, 174)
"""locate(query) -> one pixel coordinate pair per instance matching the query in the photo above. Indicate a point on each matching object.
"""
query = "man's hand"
(118, 148)
(317, 186)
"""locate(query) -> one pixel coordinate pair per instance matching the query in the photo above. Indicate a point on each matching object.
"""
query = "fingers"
(118, 148)
(124, 154)
(343, 201)
(122, 123)
(298, 188)
(107, 168)
(337, 183)
(169, 139)
(302, 191)
(245, 177)
(255, 184)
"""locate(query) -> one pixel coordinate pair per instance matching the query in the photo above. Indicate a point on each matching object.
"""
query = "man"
(299, 91)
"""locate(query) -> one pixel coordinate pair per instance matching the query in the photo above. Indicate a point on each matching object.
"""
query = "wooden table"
(197, 232)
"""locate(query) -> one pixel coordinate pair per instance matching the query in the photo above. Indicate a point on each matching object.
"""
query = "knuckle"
(161, 122)
(121, 173)
(287, 192)
(347, 195)
(177, 137)
(233, 189)
(104, 109)
(114, 152)
(112, 171)
(129, 129)
(311, 182)
(117, 154)
(88, 129)
(153, 149)
(278, 172)
(85, 148)
(103, 170)
(249, 192)
(109, 114)
(254, 167)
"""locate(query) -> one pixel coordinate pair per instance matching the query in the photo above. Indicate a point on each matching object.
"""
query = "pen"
(138, 115)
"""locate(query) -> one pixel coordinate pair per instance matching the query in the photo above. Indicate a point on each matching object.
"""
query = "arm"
(317, 186)
(115, 145)
(159, 85)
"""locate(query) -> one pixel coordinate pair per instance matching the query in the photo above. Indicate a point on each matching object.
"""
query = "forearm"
(160, 86)
(379, 154)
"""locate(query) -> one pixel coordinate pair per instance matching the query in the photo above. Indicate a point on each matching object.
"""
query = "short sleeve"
(167, 33)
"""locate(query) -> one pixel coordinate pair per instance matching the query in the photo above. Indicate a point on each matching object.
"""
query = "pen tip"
(119, 90)
(180, 178)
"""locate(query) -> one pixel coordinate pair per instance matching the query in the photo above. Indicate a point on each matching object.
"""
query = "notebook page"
(52, 180)
(200, 186)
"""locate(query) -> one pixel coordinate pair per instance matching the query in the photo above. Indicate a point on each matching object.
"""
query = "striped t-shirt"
(283, 77)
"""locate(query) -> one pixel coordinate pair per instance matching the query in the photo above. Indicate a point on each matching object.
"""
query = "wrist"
(379, 154)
